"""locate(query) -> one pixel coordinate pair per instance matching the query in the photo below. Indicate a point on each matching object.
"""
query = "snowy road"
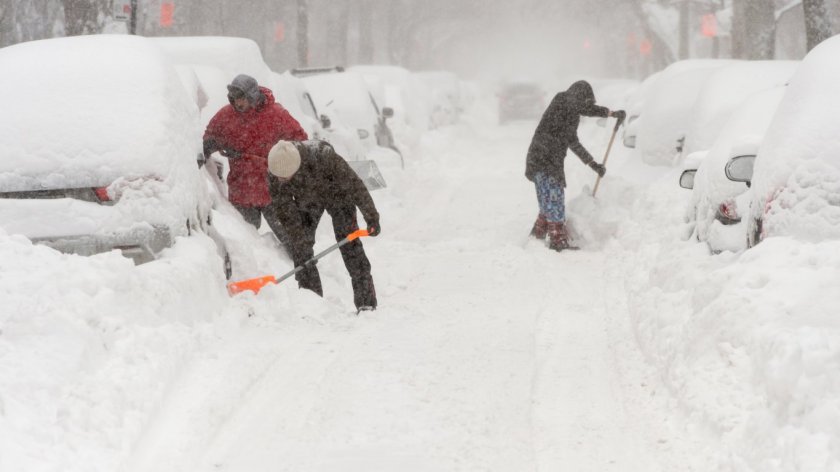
(488, 351)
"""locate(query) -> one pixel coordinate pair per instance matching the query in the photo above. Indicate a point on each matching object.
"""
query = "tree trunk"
(365, 32)
(302, 34)
(753, 29)
(817, 25)
(82, 16)
(685, 33)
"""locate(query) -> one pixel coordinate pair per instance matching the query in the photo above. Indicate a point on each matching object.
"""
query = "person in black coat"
(310, 178)
(554, 136)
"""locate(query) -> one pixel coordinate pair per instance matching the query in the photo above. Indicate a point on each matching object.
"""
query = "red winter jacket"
(252, 133)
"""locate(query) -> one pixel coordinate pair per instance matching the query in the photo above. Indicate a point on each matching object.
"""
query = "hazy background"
(478, 39)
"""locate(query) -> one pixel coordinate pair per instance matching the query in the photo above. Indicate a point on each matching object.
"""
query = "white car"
(796, 181)
(345, 96)
(103, 151)
(661, 128)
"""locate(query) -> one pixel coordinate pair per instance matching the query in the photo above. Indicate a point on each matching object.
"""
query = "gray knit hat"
(284, 159)
(244, 84)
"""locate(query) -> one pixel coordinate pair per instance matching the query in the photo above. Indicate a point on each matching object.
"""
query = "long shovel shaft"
(606, 155)
(258, 283)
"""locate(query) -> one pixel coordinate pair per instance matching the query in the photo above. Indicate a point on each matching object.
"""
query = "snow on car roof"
(109, 103)
(725, 90)
(232, 55)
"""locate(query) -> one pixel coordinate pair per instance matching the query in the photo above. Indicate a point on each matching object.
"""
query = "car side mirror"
(630, 141)
(200, 159)
(388, 112)
(325, 121)
(740, 169)
(687, 178)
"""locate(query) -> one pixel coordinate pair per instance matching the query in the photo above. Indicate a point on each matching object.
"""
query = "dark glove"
(598, 168)
(620, 115)
(230, 153)
(373, 228)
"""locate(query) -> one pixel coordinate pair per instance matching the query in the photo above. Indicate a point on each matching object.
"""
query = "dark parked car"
(521, 101)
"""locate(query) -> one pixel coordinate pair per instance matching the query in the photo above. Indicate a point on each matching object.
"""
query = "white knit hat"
(284, 159)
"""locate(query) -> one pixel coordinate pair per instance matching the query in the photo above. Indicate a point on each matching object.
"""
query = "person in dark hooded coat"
(309, 178)
(554, 136)
(244, 132)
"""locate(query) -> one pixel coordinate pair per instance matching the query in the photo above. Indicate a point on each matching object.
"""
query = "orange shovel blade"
(253, 285)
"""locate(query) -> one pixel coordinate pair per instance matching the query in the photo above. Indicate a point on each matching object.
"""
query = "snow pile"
(89, 346)
(746, 343)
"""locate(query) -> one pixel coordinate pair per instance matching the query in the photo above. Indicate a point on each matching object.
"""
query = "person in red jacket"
(244, 132)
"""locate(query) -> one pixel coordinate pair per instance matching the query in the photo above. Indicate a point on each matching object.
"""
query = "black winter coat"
(324, 181)
(557, 132)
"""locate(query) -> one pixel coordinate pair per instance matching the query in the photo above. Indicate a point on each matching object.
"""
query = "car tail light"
(102, 194)
(727, 213)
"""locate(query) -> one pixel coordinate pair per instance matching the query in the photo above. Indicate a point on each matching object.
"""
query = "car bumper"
(140, 244)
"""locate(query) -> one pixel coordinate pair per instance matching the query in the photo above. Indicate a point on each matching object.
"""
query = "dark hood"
(581, 93)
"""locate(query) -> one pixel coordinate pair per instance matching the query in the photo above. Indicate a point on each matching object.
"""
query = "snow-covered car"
(661, 130)
(724, 92)
(398, 89)
(103, 151)
(635, 106)
(232, 55)
(719, 203)
(521, 100)
(796, 182)
(345, 96)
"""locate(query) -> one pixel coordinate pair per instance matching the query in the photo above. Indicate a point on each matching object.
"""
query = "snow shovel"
(258, 283)
(607, 154)
(368, 171)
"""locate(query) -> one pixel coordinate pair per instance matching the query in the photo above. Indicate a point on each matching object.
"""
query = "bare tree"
(753, 29)
(817, 24)
(302, 33)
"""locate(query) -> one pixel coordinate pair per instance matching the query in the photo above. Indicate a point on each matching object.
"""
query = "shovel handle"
(258, 283)
(357, 234)
(606, 156)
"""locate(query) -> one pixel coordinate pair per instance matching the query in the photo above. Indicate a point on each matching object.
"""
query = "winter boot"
(364, 294)
(540, 228)
(558, 237)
